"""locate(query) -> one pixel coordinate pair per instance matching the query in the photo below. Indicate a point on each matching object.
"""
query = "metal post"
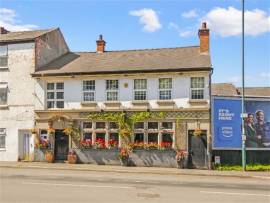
(243, 89)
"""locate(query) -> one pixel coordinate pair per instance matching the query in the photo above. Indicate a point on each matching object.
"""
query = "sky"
(141, 24)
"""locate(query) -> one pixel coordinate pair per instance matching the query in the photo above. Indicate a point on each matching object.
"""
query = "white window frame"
(4, 86)
(4, 55)
(164, 89)
(144, 90)
(197, 88)
(112, 90)
(3, 133)
(55, 91)
(88, 91)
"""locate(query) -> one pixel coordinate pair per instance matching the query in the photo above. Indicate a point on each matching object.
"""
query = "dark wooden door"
(197, 146)
(61, 145)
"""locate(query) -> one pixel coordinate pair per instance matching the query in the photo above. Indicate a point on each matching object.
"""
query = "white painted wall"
(20, 112)
(73, 91)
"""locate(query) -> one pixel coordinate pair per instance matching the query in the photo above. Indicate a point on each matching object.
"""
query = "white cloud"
(228, 22)
(187, 32)
(237, 80)
(8, 20)
(148, 18)
(190, 14)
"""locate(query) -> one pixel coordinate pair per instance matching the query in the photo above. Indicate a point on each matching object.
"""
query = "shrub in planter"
(124, 157)
(181, 158)
(112, 144)
(86, 144)
(49, 156)
(166, 145)
(72, 157)
(100, 143)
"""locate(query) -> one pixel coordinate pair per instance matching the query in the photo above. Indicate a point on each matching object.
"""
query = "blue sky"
(156, 24)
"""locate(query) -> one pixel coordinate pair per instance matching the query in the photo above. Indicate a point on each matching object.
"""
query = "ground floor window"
(167, 140)
(2, 138)
(113, 140)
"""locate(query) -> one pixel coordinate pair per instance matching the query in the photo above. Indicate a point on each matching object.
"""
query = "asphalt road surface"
(43, 185)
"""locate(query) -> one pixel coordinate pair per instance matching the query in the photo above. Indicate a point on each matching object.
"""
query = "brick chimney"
(100, 45)
(204, 38)
(3, 30)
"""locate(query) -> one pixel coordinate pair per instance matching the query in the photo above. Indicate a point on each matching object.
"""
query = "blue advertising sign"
(227, 124)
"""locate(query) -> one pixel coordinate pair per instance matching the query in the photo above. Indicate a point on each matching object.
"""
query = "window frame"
(55, 91)
(140, 89)
(165, 89)
(5, 56)
(88, 91)
(112, 90)
(197, 88)
(3, 133)
(4, 87)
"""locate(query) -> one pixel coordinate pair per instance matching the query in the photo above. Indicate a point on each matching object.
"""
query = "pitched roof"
(23, 36)
(147, 60)
(255, 91)
(223, 89)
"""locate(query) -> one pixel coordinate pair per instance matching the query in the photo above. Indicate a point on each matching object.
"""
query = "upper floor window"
(3, 93)
(140, 89)
(55, 95)
(112, 90)
(3, 56)
(197, 87)
(89, 87)
(2, 138)
(165, 88)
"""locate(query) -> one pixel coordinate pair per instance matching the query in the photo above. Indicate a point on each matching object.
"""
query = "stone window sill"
(3, 106)
(89, 103)
(112, 103)
(165, 102)
(197, 101)
(140, 102)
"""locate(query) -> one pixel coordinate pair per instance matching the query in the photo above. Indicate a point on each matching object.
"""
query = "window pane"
(50, 95)
(50, 104)
(100, 125)
(112, 96)
(153, 137)
(2, 141)
(89, 96)
(60, 85)
(140, 84)
(87, 124)
(165, 83)
(197, 82)
(138, 137)
(140, 95)
(50, 86)
(165, 94)
(152, 125)
(197, 94)
(59, 104)
(111, 84)
(87, 136)
(167, 125)
(139, 125)
(3, 50)
(60, 95)
(3, 61)
(113, 125)
(3, 96)
(89, 85)
(167, 137)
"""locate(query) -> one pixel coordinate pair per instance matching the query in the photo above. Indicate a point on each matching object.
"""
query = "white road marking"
(235, 193)
(77, 185)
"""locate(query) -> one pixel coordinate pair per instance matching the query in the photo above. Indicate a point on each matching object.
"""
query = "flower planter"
(124, 161)
(72, 159)
(49, 156)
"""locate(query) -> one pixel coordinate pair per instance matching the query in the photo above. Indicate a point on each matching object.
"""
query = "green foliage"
(74, 132)
(249, 167)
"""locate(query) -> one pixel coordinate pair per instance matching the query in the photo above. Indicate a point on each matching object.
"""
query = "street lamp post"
(243, 89)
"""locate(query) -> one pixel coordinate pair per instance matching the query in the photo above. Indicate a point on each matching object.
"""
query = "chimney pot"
(100, 44)
(3, 30)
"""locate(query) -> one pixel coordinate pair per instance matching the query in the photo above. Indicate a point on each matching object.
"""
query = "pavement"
(135, 170)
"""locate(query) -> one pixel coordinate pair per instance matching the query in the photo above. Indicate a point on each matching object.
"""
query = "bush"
(249, 167)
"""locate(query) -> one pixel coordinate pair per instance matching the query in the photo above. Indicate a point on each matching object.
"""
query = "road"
(43, 185)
